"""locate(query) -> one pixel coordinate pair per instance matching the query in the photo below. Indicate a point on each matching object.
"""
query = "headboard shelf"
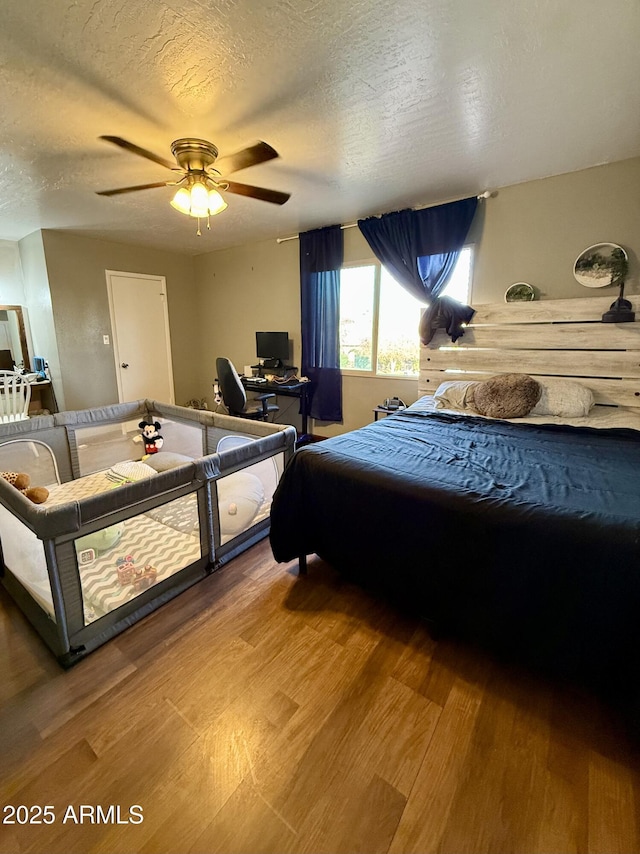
(545, 311)
(564, 363)
(554, 335)
(549, 338)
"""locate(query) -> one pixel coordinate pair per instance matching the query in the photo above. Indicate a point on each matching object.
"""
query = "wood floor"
(262, 712)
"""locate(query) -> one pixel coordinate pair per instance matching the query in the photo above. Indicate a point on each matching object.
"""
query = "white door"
(141, 344)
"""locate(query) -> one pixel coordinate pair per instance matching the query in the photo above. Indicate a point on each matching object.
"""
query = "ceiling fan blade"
(141, 152)
(131, 189)
(273, 196)
(260, 152)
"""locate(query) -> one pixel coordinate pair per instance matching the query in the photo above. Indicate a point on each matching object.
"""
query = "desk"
(300, 390)
(380, 410)
(42, 397)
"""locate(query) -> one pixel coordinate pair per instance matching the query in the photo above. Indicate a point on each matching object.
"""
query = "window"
(379, 319)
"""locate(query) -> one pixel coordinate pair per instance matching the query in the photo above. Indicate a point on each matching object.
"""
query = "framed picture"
(519, 292)
(600, 265)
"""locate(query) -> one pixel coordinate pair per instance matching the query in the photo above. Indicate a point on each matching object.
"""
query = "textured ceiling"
(372, 105)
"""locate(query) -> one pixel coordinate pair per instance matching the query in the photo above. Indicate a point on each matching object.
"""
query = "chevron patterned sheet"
(152, 546)
(76, 490)
(145, 552)
(92, 484)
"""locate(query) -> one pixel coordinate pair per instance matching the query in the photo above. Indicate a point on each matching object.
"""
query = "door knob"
(124, 365)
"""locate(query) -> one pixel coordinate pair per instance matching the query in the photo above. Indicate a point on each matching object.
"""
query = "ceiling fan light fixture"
(199, 199)
(216, 203)
(201, 181)
(182, 201)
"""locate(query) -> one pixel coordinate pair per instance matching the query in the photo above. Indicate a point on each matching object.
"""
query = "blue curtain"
(321, 256)
(421, 248)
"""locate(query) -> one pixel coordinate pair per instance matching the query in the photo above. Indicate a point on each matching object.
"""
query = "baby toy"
(145, 577)
(21, 481)
(128, 573)
(90, 546)
(126, 570)
(153, 441)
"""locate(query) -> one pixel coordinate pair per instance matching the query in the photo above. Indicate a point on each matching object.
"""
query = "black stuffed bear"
(153, 441)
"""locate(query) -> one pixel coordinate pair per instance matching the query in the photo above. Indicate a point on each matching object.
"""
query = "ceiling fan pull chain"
(198, 232)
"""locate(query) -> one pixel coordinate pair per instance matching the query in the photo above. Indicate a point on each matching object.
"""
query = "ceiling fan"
(200, 182)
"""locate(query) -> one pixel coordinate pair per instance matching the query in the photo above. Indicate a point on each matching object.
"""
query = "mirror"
(600, 265)
(13, 339)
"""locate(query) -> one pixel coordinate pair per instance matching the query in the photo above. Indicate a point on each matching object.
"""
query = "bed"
(522, 534)
(122, 532)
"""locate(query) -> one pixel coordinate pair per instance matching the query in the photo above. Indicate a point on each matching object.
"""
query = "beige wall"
(257, 287)
(243, 290)
(534, 232)
(76, 269)
(39, 310)
(11, 283)
(531, 232)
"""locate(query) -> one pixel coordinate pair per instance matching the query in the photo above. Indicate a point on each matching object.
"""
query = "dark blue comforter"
(524, 536)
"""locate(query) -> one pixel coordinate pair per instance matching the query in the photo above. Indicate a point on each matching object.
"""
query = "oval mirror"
(600, 265)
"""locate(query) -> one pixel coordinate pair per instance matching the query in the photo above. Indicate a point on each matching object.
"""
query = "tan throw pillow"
(506, 396)
(455, 394)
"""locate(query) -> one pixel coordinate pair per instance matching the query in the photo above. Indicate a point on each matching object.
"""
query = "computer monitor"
(273, 347)
(6, 360)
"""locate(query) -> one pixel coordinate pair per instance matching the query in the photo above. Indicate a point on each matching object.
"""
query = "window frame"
(375, 324)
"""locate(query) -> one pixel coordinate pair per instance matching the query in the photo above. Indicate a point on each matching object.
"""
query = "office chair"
(15, 395)
(235, 397)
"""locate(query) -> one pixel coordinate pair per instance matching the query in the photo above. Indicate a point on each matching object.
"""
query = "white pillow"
(455, 395)
(166, 460)
(240, 496)
(563, 397)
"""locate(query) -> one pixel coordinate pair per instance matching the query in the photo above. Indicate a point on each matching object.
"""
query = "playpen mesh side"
(120, 561)
(32, 457)
(181, 437)
(244, 497)
(98, 447)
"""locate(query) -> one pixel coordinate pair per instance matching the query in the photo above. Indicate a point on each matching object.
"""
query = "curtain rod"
(486, 195)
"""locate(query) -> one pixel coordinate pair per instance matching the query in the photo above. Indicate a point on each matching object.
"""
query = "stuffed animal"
(153, 441)
(21, 481)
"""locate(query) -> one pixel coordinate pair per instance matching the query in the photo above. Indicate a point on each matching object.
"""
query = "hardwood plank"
(47, 787)
(139, 764)
(21, 664)
(372, 829)
(194, 795)
(613, 821)
(363, 817)
(278, 713)
(440, 774)
(64, 696)
(246, 823)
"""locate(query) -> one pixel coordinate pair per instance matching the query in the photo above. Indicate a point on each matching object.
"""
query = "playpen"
(120, 533)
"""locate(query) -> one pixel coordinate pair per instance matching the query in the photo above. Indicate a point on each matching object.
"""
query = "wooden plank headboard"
(559, 338)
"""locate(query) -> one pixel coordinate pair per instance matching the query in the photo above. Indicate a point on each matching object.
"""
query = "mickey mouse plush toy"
(153, 441)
